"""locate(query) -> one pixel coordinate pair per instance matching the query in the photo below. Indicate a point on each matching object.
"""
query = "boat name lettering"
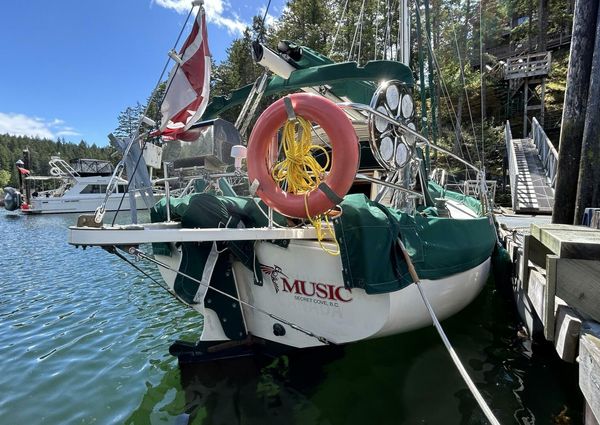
(323, 291)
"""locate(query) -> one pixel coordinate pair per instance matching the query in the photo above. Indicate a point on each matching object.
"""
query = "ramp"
(532, 166)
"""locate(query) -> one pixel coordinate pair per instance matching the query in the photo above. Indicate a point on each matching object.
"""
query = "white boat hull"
(309, 292)
(79, 204)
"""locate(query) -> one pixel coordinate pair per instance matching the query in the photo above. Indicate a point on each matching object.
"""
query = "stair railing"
(546, 151)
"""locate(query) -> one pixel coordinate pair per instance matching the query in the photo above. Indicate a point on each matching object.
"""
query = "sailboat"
(304, 236)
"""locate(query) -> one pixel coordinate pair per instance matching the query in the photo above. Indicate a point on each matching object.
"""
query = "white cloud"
(63, 133)
(23, 125)
(216, 13)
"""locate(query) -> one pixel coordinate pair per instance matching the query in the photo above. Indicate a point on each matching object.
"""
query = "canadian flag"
(189, 83)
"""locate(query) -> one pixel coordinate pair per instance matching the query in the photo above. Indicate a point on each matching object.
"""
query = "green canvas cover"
(346, 79)
(437, 191)
(367, 233)
(371, 257)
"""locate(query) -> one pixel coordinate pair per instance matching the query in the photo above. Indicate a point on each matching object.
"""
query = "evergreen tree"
(128, 121)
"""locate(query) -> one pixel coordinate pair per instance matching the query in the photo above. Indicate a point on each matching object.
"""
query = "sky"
(68, 67)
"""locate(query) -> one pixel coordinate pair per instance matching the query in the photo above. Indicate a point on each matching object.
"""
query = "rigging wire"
(464, 83)
(339, 25)
(114, 250)
(377, 2)
(359, 23)
(447, 100)
(388, 29)
(140, 121)
(481, 84)
(359, 42)
(322, 339)
(398, 35)
(263, 23)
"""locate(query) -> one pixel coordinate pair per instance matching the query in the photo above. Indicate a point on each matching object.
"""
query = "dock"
(556, 286)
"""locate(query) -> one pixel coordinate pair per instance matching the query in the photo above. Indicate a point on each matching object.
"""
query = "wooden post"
(589, 367)
(588, 190)
(542, 25)
(578, 76)
(28, 166)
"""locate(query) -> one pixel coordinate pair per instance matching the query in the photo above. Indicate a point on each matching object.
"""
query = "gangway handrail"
(513, 169)
(546, 151)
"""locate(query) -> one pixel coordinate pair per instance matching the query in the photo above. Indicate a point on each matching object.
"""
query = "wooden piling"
(574, 110)
(588, 189)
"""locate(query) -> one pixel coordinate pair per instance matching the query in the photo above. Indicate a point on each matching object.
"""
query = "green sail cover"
(345, 79)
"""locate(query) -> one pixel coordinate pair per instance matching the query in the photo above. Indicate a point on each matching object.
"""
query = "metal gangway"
(532, 163)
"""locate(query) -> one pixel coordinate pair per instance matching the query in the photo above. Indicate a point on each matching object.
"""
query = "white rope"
(463, 372)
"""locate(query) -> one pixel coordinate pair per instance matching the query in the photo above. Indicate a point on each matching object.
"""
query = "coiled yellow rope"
(300, 173)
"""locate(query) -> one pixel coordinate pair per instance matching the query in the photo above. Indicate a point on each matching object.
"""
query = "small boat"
(75, 187)
(310, 250)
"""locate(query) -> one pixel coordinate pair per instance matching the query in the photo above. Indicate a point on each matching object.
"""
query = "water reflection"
(401, 379)
(257, 390)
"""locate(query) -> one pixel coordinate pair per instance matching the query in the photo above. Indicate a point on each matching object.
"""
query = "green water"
(84, 339)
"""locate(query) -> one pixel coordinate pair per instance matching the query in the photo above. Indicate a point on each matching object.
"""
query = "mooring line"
(322, 339)
(113, 250)
(463, 372)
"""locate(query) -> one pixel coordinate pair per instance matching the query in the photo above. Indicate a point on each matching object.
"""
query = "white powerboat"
(75, 188)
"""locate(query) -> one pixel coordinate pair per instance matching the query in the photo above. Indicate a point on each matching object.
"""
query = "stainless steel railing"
(546, 151)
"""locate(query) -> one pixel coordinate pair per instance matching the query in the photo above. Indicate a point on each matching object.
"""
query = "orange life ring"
(344, 155)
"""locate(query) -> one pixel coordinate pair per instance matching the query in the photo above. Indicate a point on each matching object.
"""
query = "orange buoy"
(344, 156)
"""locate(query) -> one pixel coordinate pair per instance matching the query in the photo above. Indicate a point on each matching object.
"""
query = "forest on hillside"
(466, 99)
(11, 150)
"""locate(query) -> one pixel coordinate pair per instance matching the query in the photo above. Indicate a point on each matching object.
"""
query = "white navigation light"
(392, 97)
(401, 154)
(407, 106)
(380, 124)
(387, 148)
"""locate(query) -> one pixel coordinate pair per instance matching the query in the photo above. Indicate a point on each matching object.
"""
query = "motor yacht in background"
(75, 187)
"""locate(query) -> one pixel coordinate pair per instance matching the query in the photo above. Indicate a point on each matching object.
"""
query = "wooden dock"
(556, 284)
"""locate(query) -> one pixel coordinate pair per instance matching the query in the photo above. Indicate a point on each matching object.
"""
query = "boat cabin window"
(121, 188)
(94, 188)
